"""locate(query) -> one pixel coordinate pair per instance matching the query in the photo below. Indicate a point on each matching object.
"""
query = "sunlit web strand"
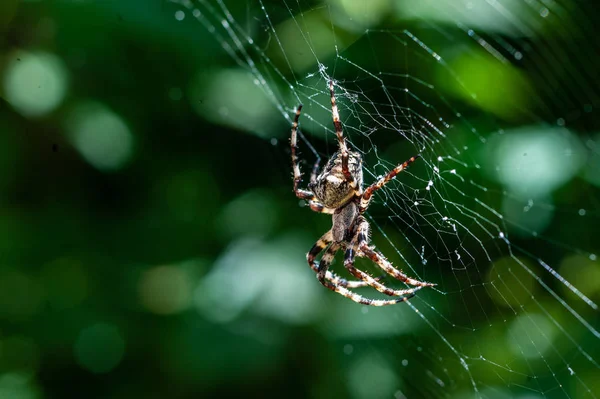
(546, 287)
(548, 268)
(227, 23)
(556, 352)
(460, 358)
(554, 273)
(550, 290)
(570, 286)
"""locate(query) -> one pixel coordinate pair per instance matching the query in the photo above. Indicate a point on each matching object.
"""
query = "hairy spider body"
(331, 187)
(344, 223)
(338, 190)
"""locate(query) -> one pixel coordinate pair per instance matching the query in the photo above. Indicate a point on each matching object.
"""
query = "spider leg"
(341, 140)
(383, 263)
(321, 275)
(301, 193)
(319, 246)
(315, 171)
(360, 239)
(366, 197)
(349, 264)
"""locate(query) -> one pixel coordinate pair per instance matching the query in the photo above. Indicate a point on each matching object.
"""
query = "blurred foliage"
(152, 248)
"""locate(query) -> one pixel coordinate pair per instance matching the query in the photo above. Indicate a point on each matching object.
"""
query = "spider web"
(488, 211)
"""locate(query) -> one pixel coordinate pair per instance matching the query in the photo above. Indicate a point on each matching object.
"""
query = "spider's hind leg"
(322, 274)
(360, 239)
(383, 263)
(319, 246)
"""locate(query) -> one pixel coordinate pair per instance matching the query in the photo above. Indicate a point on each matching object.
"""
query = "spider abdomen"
(344, 222)
(331, 186)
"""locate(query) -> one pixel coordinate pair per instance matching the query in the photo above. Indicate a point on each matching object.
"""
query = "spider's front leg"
(301, 193)
(367, 195)
(341, 140)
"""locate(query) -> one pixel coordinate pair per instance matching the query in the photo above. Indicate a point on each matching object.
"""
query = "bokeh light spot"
(253, 213)
(583, 272)
(232, 98)
(512, 285)
(252, 271)
(99, 348)
(165, 290)
(528, 216)
(347, 321)
(18, 386)
(530, 335)
(35, 83)
(487, 83)
(371, 377)
(302, 58)
(359, 15)
(101, 136)
(553, 157)
(477, 14)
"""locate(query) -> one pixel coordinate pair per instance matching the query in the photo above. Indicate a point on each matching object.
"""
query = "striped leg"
(366, 197)
(383, 263)
(319, 246)
(301, 193)
(357, 242)
(341, 140)
(325, 262)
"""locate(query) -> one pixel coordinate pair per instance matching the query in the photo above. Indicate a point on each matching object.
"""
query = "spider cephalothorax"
(331, 187)
(338, 190)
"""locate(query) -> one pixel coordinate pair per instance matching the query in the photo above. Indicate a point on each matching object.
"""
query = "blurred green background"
(151, 245)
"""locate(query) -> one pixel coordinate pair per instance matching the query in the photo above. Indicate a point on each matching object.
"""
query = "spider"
(338, 190)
